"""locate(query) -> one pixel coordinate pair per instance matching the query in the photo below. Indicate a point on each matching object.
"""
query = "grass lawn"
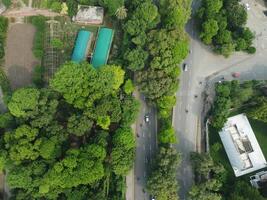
(260, 130)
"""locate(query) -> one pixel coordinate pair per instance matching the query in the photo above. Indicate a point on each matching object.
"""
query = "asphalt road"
(146, 148)
(204, 65)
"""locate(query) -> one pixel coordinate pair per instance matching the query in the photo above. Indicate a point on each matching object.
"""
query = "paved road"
(203, 64)
(146, 148)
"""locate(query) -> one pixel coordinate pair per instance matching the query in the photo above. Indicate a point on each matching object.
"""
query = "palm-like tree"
(121, 12)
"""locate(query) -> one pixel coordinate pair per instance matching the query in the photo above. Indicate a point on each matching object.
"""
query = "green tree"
(130, 109)
(112, 5)
(56, 6)
(144, 17)
(167, 135)
(79, 125)
(24, 102)
(162, 182)
(22, 144)
(103, 122)
(236, 15)
(175, 13)
(123, 151)
(259, 111)
(209, 30)
(96, 84)
(243, 190)
(57, 43)
(121, 12)
(128, 86)
(136, 58)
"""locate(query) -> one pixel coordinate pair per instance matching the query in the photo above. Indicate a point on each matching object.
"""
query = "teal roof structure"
(79, 52)
(102, 47)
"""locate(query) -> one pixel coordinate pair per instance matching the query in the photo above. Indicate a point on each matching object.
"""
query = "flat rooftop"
(89, 15)
(241, 146)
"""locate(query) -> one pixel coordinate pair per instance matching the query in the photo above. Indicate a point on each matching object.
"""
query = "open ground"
(19, 59)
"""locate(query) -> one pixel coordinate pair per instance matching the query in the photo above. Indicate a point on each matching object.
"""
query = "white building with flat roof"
(241, 146)
(89, 15)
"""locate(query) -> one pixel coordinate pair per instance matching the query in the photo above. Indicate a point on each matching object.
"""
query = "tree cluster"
(209, 177)
(155, 43)
(162, 182)
(214, 183)
(71, 140)
(233, 95)
(223, 26)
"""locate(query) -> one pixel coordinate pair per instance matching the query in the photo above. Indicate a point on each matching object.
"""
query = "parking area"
(19, 59)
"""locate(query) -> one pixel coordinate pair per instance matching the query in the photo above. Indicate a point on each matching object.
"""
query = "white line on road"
(144, 147)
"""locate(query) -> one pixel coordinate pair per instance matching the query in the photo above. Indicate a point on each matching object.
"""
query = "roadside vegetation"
(38, 45)
(154, 45)
(57, 143)
(3, 35)
(222, 25)
(215, 179)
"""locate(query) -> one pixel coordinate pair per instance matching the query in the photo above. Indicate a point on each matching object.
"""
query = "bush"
(38, 46)
(251, 50)
(37, 77)
(3, 31)
(7, 3)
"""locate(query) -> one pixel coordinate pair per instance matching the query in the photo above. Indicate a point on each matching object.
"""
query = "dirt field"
(19, 59)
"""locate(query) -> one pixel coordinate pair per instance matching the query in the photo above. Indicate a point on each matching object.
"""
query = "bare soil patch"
(19, 59)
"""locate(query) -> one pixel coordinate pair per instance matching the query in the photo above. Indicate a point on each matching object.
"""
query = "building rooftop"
(89, 15)
(102, 47)
(241, 146)
(81, 46)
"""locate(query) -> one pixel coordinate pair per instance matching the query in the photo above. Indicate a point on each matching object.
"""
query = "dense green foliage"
(223, 26)
(38, 45)
(155, 43)
(162, 182)
(7, 3)
(55, 147)
(214, 182)
(3, 33)
(246, 97)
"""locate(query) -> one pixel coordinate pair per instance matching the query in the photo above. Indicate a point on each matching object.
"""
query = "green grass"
(260, 130)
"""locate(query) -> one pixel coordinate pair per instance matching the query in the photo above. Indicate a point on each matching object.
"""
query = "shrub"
(38, 46)
(251, 50)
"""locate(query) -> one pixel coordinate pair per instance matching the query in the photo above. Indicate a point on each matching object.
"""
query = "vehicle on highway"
(146, 118)
(185, 67)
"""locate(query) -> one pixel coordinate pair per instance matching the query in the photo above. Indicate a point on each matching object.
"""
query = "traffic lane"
(145, 150)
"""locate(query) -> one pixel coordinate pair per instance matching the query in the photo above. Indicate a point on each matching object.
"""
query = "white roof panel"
(241, 146)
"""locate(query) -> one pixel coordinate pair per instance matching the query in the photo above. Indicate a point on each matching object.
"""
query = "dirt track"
(19, 59)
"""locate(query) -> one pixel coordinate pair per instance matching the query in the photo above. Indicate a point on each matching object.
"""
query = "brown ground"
(19, 59)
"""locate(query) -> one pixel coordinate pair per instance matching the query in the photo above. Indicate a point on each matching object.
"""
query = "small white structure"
(259, 180)
(241, 146)
(89, 15)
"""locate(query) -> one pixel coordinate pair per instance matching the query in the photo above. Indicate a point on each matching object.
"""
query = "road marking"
(144, 147)
(143, 134)
(150, 148)
(144, 174)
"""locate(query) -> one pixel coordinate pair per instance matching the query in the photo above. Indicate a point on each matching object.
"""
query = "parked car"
(185, 67)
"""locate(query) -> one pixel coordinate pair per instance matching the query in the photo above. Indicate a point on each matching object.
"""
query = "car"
(247, 6)
(146, 118)
(185, 67)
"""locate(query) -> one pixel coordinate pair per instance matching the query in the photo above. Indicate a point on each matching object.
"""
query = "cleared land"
(19, 59)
